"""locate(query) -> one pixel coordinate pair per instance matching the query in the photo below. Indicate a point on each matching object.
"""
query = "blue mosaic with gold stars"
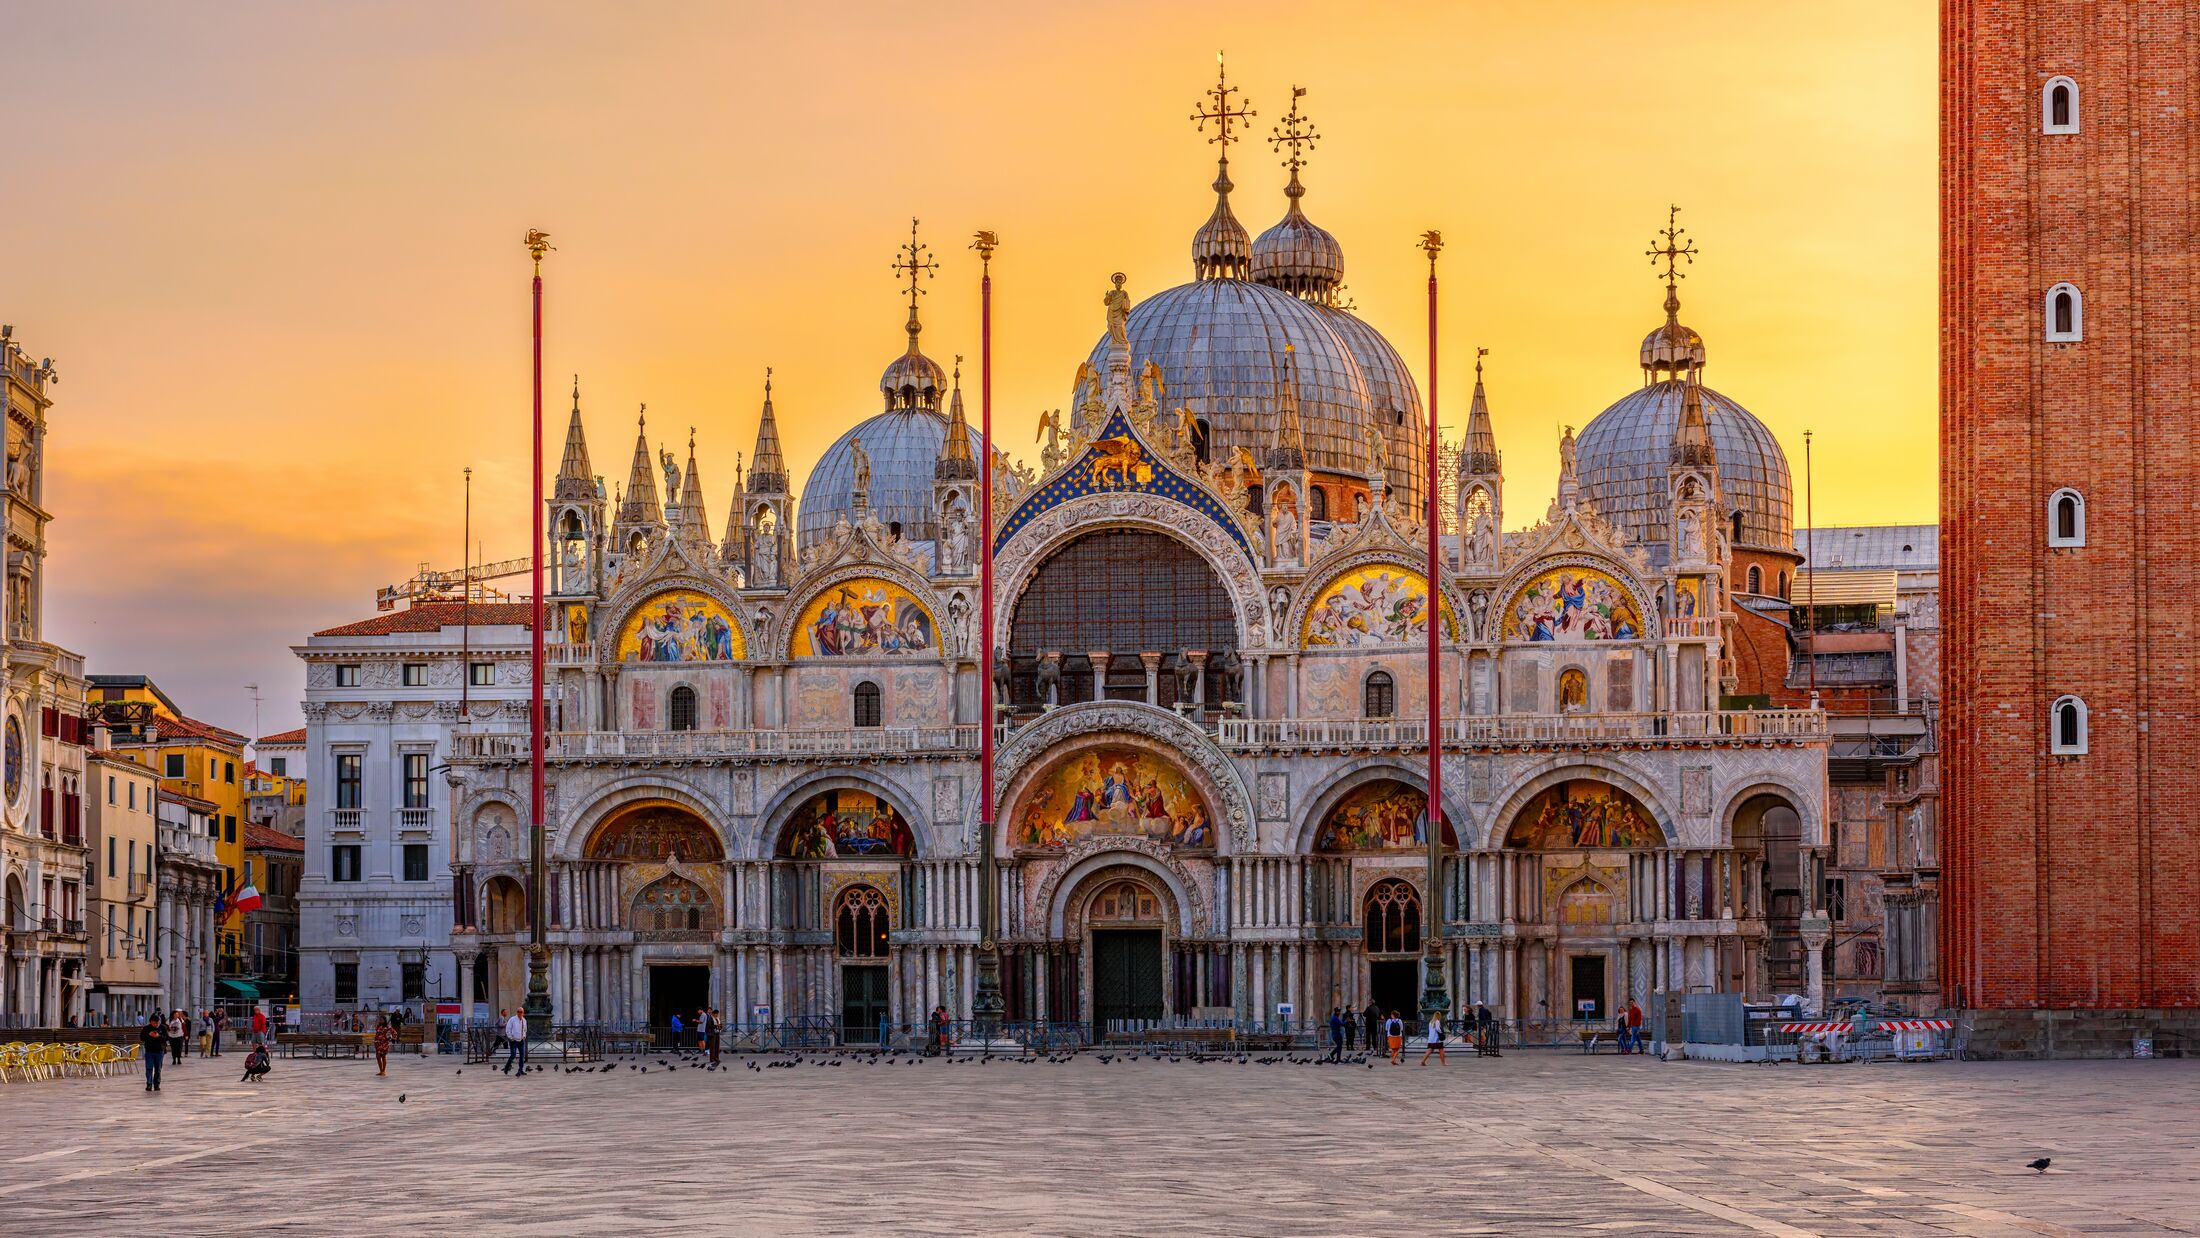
(1116, 462)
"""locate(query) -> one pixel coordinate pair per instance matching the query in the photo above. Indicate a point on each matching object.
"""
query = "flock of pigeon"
(896, 1057)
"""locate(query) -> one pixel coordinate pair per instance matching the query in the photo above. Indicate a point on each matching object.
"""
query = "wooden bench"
(322, 1044)
(1591, 1035)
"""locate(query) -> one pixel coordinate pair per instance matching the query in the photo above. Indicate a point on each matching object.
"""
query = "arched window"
(2066, 518)
(861, 924)
(1202, 439)
(1734, 528)
(2059, 106)
(1756, 580)
(680, 709)
(867, 711)
(1181, 604)
(1783, 586)
(1317, 503)
(2065, 314)
(2067, 720)
(1392, 918)
(1379, 697)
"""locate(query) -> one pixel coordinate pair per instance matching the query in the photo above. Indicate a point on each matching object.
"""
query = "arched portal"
(1074, 606)
(840, 876)
(504, 924)
(1390, 937)
(651, 870)
(1771, 884)
(1125, 937)
(863, 919)
(1593, 868)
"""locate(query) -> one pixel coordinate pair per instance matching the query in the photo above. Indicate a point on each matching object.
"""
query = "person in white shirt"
(1435, 1040)
(515, 1040)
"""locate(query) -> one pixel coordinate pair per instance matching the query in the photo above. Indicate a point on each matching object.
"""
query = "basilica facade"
(1211, 598)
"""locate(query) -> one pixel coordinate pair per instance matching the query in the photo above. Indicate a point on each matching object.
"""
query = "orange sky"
(274, 250)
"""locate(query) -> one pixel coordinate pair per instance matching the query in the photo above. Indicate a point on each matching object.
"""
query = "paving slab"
(1531, 1143)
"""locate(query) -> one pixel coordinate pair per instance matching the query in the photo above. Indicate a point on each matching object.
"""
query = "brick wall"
(2072, 882)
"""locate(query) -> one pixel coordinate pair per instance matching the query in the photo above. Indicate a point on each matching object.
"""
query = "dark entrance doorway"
(676, 991)
(1126, 975)
(862, 1003)
(1589, 986)
(1395, 984)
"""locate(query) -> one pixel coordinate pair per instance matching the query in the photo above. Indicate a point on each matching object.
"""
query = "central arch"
(1063, 609)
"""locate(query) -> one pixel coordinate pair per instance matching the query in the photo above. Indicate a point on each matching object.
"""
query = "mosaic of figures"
(653, 834)
(1381, 604)
(842, 824)
(680, 626)
(674, 904)
(1113, 791)
(1584, 813)
(864, 617)
(1572, 604)
(1381, 816)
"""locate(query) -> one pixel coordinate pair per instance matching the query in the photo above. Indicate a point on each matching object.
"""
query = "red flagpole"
(986, 1004)
(538, 955)
(1433, 998)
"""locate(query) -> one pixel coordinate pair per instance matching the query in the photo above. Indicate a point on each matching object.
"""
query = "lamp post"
(1435, 1000)
(538, 950)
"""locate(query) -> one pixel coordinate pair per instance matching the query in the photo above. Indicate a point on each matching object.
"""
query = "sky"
(274, 249)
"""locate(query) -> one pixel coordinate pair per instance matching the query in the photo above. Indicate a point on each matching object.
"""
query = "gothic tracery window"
(862, 923)
(1392, 918)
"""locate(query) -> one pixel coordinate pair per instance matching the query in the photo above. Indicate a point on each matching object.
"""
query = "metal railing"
(1712, 726)
(850, 741)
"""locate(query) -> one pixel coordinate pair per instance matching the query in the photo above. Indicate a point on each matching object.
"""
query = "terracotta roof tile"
(435, 616)
(284, 738)
(257, 836)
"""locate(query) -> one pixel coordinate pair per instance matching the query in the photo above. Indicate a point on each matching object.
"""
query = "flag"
(222, 900)
(248, 899)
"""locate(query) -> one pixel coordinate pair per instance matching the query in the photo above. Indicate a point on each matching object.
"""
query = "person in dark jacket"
(152, 1045)
(1337, 1023)
(255, 1064)
(1371, 1021)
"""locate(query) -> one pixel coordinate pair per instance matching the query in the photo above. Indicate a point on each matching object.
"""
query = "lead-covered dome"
(904, 446)
(1623, 456)
(1220, 344)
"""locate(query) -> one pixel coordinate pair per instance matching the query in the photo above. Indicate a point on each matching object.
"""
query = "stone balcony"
(1715, 728)
(872, 742)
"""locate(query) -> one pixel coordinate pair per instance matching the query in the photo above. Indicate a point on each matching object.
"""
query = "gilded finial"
(915, 260)
(1479, 353)
(1223, 114)
(1671, 253)
(1432, 242)
(984, 241)
(1298, 133)
(537, 243)
(958, 369)
(642, 418)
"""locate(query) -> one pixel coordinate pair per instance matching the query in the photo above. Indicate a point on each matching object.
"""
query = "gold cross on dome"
(1296, 132)
(1222, 114)
(1675, 248)
(916, 260)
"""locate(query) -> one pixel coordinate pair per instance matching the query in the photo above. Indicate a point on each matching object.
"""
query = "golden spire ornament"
(538, 243)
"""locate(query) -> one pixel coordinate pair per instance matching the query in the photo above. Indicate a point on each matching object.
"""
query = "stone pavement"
(1533, 1143)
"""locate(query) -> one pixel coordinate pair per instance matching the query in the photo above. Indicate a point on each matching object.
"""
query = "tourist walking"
(1394, 1036)
(716, 1034)
(1485, 1031)
(1351, 1029)
(152, 1043)
(1435, 1039)
(1336, 1034)
(515, 1040)
(940, 1023)
(256, 1064)
(679, 1031)
(1634, 1026)
(259, 1024)
(1371, 1022)
(177, 1029)
(384, 1034)
(220, 1021)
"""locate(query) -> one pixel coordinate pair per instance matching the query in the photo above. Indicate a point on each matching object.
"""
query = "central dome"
(904, 446)
(1220, 342)
(1624, 453)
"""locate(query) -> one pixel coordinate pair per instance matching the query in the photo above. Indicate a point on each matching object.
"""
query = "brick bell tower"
(2069, 289)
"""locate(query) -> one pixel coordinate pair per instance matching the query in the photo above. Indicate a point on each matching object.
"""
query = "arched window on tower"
(2066, 518)
(680, 709)
(867, 709)
(1756, 580)
(2059, 106)
(1379, 696)
(2065, 314)
(2067, 722)
(1783, 586)
(1392, 918)
(861, 925)
(1734, 528)
(1317, 503)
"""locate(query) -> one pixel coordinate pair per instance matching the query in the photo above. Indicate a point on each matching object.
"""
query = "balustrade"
(854, 741)
(1497, 730)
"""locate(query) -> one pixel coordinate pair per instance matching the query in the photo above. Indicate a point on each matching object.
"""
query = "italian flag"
(247, 899)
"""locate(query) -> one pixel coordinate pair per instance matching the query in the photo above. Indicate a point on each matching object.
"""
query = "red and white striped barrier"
(1883, 1025)
(1814, 1028)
